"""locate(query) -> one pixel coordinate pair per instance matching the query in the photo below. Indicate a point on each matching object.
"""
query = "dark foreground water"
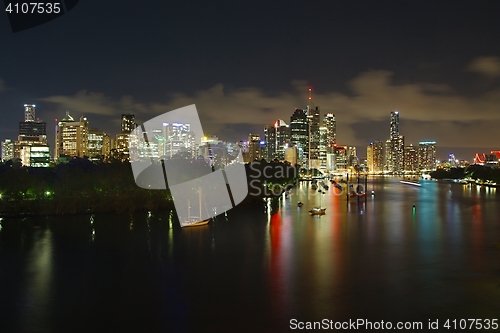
(254, 270)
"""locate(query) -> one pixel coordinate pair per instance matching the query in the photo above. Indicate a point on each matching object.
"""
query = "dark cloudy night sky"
(246, 64)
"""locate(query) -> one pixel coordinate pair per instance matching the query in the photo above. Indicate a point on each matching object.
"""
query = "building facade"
(427, 155)
(128, 123)
(32, 131)
(411, 159)
(313, 114)
(277, 139)
(375, 157)
(395, 146)
(71, 137)
(254, 148)
(331, 131)
(7, 150)
(299, 134)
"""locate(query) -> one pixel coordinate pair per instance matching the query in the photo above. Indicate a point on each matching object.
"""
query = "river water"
(257, 268)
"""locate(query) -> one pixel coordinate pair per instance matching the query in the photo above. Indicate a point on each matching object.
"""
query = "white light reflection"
(38, 279)
(170, 234)
(92, 233)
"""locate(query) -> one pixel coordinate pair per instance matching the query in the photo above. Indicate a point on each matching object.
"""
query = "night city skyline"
(258, 166)
(442, 76)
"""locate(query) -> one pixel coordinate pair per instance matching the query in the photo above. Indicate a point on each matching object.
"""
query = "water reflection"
(257, 267)
(38, 278)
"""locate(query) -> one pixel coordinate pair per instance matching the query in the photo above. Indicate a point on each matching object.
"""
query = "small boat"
(314, 187)
(300, 204)
(317, 211)
(325, 187)
(194, 221)
(196, 224)
(410, 183)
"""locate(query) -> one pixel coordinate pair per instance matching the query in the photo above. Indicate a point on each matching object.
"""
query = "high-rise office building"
(394, 125)
(395, 151)
(313, 114)
(323, 139)
(398, 146)
(427, 155)
(128, 123)
(96, 144)
(388, 166)
(7, 150)
(375, 157)
(32, 131)
(71, 137)
(276, 137)
(331, 131)
(352, 157)
(35, 156)
(29, 112)
(175, 138)
(292, 155)
(299, 134)
(121, 146)
(340, 159)
(411, 159)
(254, 147)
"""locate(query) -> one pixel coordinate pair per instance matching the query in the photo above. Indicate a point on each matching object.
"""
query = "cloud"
(84, 102)
(487, 66)
(428, 111)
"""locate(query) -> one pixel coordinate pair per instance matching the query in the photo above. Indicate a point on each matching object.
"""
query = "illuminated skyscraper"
(29, 112)
(128, 123)
(121, 147)
(7, 150)
(323, 139)
(411, 158)
(388, 166)
(71, 137)
(398, 146)
(375, 157)
(340, 160)
(32, 131)
(98, 144)
(35, 156)
(331, 131)
(254, 148)
(427, 155)
(314, 135)
(177, 138)
(277, 137)
(299, 133)
(395, 148)
(394, 125)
